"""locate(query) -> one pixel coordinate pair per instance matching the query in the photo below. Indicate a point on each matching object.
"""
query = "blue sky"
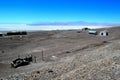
(35, 11)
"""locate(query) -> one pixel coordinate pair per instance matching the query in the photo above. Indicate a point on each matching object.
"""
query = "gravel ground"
(68, 55)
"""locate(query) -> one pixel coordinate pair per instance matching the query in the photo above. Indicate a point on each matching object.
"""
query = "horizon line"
(53, 22)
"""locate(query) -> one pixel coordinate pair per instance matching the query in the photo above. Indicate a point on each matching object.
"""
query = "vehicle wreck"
(21, 62)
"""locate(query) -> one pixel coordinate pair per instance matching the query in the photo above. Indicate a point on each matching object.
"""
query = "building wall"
(103, 33)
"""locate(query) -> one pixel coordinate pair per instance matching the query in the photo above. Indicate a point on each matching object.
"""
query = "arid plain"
(67, 55)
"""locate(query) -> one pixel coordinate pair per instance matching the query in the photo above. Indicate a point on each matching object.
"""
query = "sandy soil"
(68, 55)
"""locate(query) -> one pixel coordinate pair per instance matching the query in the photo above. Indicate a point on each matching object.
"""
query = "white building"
(103, 33)
(92, 32)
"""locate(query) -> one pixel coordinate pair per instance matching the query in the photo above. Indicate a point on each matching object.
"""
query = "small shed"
(103, 33)
(1, 34)
(85, 29)
(93, 32)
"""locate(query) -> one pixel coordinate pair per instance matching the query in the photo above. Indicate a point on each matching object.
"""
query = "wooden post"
(42, 56)
(35, 59)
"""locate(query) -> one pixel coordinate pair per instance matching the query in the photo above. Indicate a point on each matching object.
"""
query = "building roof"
(92, 31)
(104, 31)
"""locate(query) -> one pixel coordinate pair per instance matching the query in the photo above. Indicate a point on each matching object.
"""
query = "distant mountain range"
(54, 26)
(80, 23)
